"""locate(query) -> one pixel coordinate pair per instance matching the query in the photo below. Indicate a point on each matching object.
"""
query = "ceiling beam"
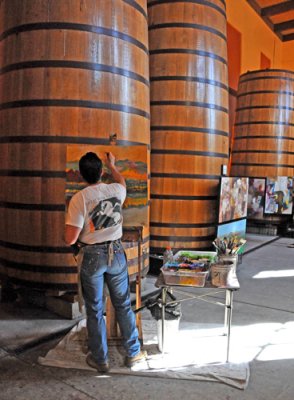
(287, 38)
(277, 8)
(283, 26)
(268, 22)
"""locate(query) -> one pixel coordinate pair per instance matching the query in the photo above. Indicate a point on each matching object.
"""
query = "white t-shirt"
(97, 210)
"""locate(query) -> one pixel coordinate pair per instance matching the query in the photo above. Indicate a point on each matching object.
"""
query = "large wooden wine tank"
(189, 120)
(264, 127)
(72, 72)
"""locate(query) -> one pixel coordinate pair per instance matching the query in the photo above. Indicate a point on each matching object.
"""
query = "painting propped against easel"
(131, 161)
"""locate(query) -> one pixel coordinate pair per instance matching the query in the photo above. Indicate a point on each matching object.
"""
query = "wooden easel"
(130, 234)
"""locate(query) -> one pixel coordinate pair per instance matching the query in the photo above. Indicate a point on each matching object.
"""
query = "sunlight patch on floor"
(206, 343)
(274, 274)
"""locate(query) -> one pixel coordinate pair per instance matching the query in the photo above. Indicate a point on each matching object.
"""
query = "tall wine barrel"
(72, 72)
(264, 127)
(189, 120)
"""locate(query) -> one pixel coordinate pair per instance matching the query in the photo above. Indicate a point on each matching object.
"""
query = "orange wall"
(257, 37)
(288, 55)
(251, 46)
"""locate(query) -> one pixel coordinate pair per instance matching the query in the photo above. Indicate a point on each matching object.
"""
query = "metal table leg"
(163, 300)
(227, 301)
(228, 318)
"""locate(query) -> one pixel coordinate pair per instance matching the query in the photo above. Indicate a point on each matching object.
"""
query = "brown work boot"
(131, 361)
(101, 367)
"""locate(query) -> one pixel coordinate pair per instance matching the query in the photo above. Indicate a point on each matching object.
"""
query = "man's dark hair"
(90, 167)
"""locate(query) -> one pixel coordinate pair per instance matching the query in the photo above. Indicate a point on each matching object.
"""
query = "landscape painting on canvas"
(234, 228)
(131, 161)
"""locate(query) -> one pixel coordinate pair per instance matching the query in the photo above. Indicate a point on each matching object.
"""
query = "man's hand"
(109, 160)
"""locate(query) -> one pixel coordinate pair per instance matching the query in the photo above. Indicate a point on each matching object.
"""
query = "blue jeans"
(94, 272)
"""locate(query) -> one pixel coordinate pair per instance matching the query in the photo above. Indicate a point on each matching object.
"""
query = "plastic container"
(189, 278)
(184, 278)
(171, 332)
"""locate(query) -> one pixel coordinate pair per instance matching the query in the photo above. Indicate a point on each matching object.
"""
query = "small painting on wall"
(131, 161)
(279, 195)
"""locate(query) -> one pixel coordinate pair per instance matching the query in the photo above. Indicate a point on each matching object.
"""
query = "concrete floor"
(262, 333)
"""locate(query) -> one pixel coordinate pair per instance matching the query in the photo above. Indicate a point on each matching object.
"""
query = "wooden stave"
(176, 130)
(17, 137)
(261, 131)
(264, 147)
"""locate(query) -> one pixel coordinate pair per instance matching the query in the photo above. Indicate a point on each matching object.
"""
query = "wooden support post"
(111, 323)
(138, 289)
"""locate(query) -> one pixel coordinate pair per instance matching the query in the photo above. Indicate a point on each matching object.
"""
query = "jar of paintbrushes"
(228, 248)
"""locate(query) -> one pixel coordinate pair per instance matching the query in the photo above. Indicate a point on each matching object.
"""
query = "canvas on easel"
(131, 161)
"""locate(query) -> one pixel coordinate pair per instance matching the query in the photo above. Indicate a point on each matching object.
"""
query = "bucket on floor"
(171, 332)
(220, 271)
